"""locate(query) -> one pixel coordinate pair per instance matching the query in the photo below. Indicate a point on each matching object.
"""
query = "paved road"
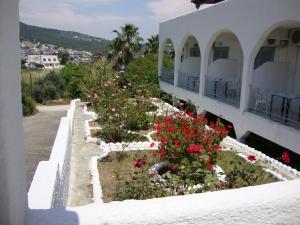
(39, 135)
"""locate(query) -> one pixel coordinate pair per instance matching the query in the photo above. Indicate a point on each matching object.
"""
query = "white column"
(12, 167)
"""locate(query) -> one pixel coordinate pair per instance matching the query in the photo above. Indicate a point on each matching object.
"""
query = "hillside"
(67, 39)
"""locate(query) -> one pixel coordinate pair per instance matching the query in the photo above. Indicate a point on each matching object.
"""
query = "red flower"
(186, 136)
(154, 154)
(139, 163)
(152, 144)
(210, 167)
(286, 157)
(163, 139)
(194, 148)
(229, 126)
(171, 129)
(158, 127)
(251, 157)
(191, 114)
(218, 147)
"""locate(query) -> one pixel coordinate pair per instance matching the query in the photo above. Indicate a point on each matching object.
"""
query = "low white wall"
(49, 187)
(276, 203)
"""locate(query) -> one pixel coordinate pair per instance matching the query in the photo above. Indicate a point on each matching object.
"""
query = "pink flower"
(286, 157)
(113, 109)
(251, 157)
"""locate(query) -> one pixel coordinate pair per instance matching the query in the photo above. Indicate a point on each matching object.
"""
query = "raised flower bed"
(191, 159)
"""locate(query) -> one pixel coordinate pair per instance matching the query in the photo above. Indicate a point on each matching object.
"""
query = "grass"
(36, 74)
(228, 156)
(116, 163)
(117, 169)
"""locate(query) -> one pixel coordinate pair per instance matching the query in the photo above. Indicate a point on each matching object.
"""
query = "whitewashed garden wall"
(49, 187)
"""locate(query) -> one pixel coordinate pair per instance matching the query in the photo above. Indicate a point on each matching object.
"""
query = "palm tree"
(126, 43)
(152, 45)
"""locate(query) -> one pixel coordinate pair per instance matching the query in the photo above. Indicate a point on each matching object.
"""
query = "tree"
(72, 75)
(125, 45)
(63, 57)
(152, 45)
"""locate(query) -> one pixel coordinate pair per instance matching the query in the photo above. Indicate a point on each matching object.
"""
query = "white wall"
(12, 164)
(49, 187)
(225, 68)
(276, 203)
(271, 76)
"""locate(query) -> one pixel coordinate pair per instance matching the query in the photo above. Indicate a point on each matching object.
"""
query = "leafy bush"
(49, 88)
(73, 75)
(28, 104)
(142, 78)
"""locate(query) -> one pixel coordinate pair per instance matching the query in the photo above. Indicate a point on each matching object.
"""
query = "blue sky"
(100, 17)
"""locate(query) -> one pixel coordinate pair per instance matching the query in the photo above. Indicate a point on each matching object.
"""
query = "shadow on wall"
(55, 216)
(271, 149)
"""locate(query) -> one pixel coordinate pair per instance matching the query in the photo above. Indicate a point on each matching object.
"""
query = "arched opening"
(275, 86)
(224, 73)
(190, 65)
(167, 69)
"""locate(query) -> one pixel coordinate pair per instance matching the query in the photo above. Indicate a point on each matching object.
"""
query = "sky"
(100, 17)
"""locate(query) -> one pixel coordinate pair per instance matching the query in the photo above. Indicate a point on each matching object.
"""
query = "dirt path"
(39, 135)
(81, 155)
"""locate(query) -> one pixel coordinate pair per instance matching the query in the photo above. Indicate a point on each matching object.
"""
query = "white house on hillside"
(48, 61)
(240, 60)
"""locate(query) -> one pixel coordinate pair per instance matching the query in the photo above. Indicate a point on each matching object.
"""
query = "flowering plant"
(189, 148)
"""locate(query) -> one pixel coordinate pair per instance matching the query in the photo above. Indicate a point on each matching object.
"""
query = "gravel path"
(39, 135)
(81, 154)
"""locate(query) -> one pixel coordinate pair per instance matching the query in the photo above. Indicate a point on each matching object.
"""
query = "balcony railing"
(280, 107)
(188, 81)
(167, 75)
(227, 91)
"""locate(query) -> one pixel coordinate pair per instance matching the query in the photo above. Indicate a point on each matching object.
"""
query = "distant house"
(48, 61)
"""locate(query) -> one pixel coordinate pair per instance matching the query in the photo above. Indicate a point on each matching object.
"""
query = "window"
(44, 60)
(54, 60)
(221, 53)
(49, 60)
(265, 54)
(194, 52)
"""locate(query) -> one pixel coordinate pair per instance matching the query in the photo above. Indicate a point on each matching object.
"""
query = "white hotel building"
(48, 61)
(240, 60)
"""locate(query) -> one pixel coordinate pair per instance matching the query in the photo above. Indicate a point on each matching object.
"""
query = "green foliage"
(152, 45)
(125, 45)
(63, 57)
(73, 75)
(63, 38)
(141, 74)
(49, 88)
(28, 104)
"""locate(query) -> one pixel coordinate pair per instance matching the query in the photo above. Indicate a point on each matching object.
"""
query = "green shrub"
(73, 75)
(28, 104)
(49, 88)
